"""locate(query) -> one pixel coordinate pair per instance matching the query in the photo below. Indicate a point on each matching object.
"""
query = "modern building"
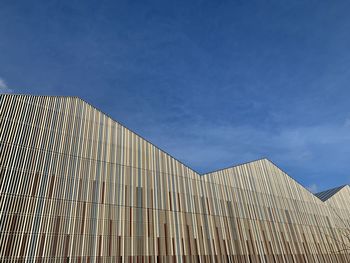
(77, 186)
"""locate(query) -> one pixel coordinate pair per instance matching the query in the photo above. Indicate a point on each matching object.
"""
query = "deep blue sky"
(214, 83)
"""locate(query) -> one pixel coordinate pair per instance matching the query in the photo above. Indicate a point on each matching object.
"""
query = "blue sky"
(214, 83)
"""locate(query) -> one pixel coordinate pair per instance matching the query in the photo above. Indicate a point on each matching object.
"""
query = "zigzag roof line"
(323, 196)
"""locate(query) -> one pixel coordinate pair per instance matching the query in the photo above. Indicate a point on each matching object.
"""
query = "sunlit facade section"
(77, 186)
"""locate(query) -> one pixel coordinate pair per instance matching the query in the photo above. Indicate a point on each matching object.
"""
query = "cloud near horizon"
(313, 188)
(3, 87)
(197, 78)
(205, 146)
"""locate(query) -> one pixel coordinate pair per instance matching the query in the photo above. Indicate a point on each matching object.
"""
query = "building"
(77, 186)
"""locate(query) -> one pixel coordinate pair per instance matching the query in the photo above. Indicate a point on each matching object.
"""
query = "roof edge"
(187, 166)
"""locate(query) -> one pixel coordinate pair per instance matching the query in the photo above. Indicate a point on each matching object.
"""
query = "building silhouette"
(77, 186)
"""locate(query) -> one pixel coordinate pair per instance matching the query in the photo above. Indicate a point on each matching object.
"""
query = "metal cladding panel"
(77, 186)
(325, 195)
(340, 207)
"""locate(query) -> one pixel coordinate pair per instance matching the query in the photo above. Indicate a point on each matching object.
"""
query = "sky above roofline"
(232, 80)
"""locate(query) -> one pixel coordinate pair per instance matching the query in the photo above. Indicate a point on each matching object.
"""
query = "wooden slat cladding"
(77, 186)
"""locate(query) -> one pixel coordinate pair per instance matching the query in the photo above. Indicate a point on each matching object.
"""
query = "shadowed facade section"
(77, 186)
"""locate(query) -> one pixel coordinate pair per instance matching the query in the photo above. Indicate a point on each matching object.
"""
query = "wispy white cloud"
(3, 87)
(207, 146)
(313, 188)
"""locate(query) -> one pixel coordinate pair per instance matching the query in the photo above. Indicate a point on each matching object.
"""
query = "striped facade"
(339, 205)
(77, 186)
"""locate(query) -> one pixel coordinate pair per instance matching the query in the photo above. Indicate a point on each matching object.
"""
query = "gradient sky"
(214, 83)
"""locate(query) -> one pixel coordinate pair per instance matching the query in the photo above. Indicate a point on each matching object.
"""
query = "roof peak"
(326, 194)
(319, 195)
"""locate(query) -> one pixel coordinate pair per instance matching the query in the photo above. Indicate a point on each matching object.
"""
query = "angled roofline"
(118, 122)
(329, 193)
(91, 105)
(236, 165)
(157, 147)
(273, 163)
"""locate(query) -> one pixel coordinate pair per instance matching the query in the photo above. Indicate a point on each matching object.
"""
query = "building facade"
(76, 186)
